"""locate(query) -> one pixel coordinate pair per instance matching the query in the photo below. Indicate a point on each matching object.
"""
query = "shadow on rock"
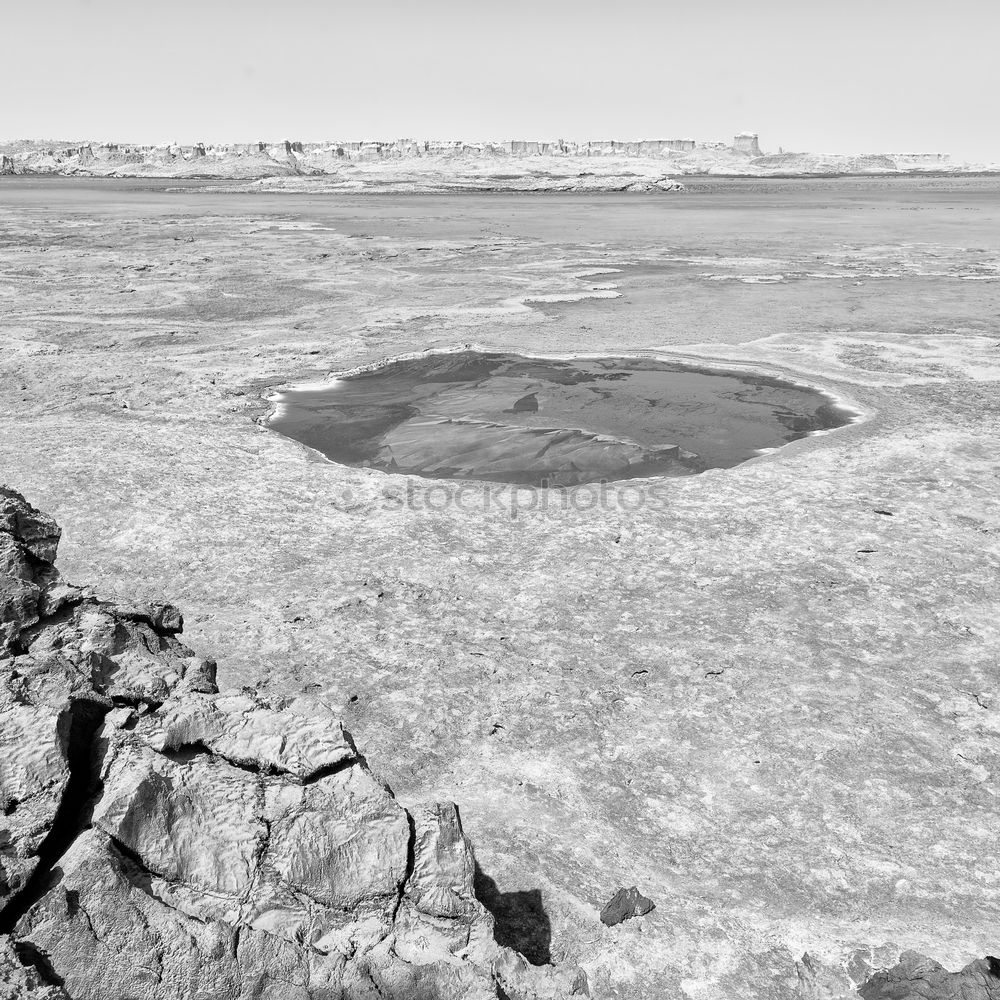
(520, 919)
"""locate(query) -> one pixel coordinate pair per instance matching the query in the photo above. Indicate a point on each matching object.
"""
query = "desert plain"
(768, 696)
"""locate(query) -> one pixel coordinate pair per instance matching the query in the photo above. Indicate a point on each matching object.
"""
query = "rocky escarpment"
(161, 840)
(404, 164)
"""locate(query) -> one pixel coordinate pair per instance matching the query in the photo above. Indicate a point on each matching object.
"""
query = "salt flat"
(767, 695)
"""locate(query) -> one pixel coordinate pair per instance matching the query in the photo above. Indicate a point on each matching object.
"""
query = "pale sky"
(844, 76)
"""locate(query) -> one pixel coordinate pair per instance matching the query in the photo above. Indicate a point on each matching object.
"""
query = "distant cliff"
(513, 164)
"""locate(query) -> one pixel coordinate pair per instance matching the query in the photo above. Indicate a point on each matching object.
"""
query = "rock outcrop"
(747, 142)
(161, 840)
(917, 977)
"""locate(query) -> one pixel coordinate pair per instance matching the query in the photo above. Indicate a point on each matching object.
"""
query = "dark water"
(506, 418)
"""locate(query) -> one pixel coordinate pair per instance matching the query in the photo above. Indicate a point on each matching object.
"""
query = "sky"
(845, 76)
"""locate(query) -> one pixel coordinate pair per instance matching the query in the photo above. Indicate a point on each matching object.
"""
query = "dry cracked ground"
(768, 696)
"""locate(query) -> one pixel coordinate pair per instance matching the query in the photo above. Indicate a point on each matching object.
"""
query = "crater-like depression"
(546, 422)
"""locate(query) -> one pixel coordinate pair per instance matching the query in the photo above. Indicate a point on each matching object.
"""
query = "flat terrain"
(768, 696)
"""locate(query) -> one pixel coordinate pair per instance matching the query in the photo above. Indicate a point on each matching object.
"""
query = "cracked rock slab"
(300, 738)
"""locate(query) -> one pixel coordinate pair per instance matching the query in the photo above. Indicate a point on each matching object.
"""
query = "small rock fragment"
(625, 904)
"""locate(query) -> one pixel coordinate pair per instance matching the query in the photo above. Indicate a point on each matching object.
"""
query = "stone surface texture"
(187, 843)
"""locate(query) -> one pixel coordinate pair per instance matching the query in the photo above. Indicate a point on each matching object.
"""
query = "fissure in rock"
(187, 752)
(82, 720)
